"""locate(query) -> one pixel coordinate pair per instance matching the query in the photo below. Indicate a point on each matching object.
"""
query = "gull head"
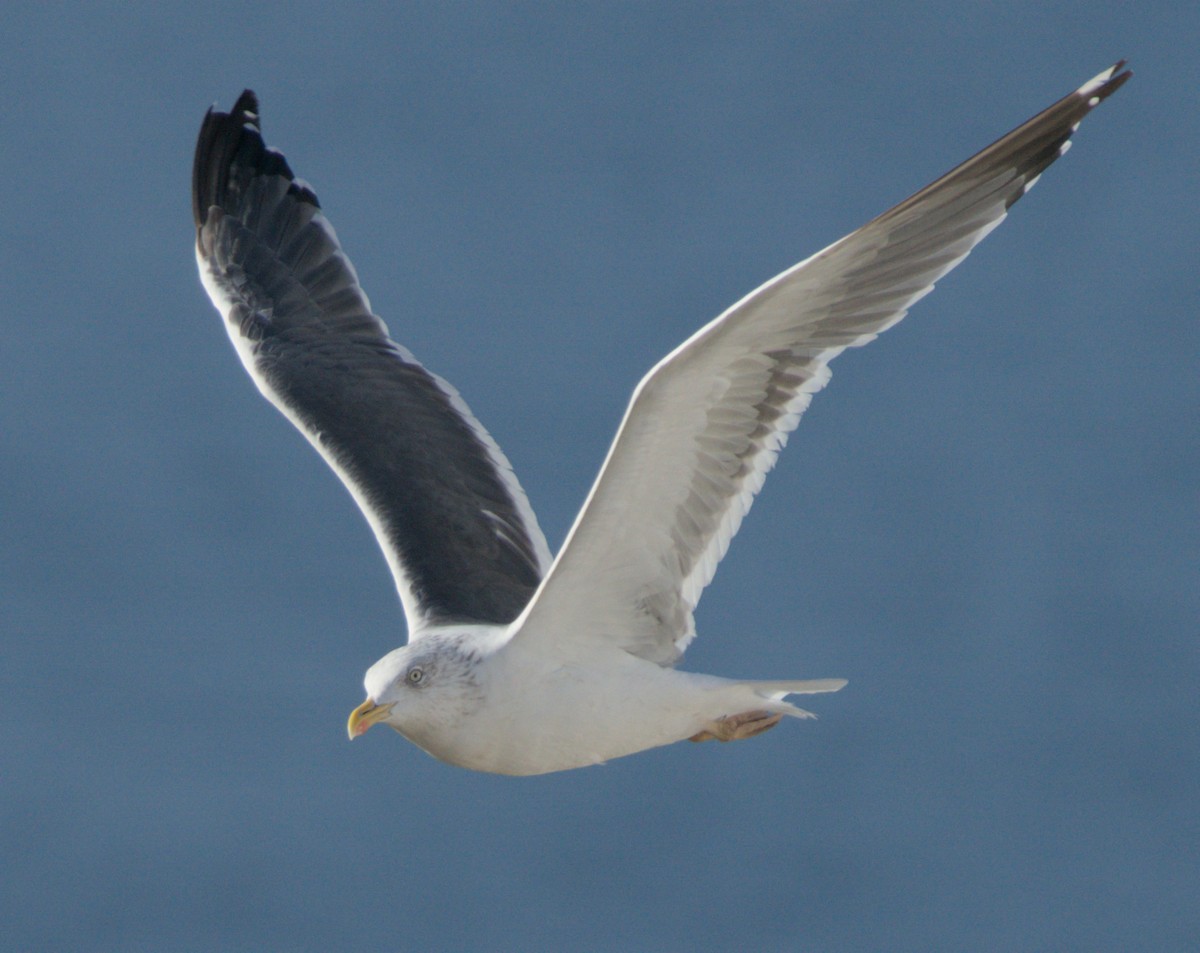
(424, 687)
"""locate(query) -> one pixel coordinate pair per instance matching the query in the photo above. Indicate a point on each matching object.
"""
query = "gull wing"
(705, 425)
(454, 524)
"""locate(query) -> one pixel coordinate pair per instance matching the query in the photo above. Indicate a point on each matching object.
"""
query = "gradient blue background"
(988, 522)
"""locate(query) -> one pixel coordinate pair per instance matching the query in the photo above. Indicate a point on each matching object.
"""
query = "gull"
(516, 662)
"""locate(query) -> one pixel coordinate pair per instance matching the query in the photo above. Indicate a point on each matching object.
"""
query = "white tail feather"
(773, 693)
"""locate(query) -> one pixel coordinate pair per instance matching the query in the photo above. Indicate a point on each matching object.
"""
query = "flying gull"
(517, 662)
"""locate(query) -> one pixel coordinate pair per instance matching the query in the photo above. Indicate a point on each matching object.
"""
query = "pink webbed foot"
(735, 727)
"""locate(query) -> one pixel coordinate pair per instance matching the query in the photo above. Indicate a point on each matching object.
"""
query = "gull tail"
(773, 693)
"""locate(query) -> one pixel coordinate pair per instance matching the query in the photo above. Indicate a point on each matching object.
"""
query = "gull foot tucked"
(735, 727)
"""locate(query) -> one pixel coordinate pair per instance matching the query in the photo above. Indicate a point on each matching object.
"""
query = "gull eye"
(415, 675)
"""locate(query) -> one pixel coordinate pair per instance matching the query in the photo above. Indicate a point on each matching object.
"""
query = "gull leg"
(735, 727)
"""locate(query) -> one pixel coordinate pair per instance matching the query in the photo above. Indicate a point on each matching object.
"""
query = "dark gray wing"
(706, 424)
(456, 528)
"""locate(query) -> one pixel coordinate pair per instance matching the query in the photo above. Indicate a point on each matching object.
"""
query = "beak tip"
(364, 716)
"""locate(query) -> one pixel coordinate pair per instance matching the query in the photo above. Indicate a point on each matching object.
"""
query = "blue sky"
(987, 522)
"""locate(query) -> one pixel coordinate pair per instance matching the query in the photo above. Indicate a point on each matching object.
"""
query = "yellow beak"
(364, 716)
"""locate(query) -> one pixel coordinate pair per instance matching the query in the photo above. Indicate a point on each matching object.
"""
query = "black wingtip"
(220, 137)
(230, 152)
(246, 107)
(1102, 89)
